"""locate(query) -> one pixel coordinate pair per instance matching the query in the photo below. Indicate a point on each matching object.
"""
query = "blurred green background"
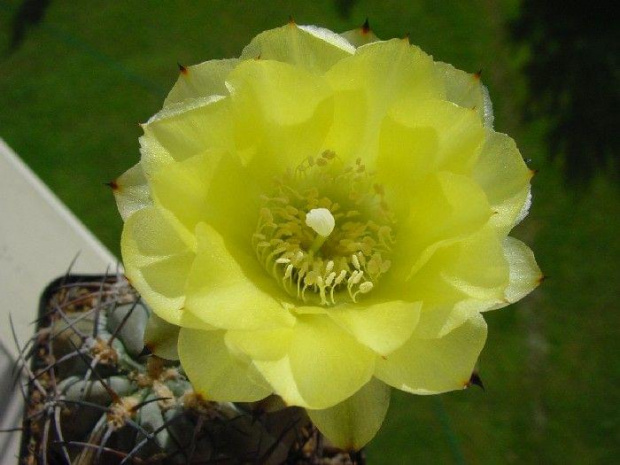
(74, 86)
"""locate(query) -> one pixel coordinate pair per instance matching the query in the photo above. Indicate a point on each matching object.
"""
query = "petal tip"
(365, 28)
(113, 185)
(474, 380)
(183, 69)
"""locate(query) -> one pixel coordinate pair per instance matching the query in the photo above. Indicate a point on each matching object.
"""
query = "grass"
(70, 101)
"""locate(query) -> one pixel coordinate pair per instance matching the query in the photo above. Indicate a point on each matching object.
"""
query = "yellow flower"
(325, 217)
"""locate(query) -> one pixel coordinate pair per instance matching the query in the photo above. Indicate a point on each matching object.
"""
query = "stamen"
(334, 252)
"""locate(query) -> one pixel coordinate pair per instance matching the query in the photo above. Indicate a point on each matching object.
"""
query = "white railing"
(39, 238)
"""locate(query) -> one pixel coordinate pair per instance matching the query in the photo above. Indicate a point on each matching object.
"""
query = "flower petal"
(387, 71)
(131, 191)
(383, 327)
(270, 344)
(436, 321)
(432, 366)
(474, 267)
(525, 275)
(351, 424)
(157, 261)
(377, 76)
(214, 372)
(231, 292)
(210, 187)
(416, 140)
(459, 281)
(459, 135)
(467, 91)
(202, 80)
(281, 114)
(161, 338)
(185, 129)
(446, 208)
(324, 365)
(309, 47)
(360, 36)
(505, 178)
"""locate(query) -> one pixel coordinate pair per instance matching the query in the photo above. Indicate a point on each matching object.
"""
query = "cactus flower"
(324, 218)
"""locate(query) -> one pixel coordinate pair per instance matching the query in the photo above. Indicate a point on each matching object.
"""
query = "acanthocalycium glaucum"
(326, 217)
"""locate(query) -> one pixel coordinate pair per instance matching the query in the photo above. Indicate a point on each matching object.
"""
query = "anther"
(366, 287)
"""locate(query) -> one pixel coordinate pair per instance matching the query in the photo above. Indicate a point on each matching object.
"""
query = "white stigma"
(321, 221)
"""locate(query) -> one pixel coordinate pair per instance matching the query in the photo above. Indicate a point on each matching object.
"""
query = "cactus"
(96, 394)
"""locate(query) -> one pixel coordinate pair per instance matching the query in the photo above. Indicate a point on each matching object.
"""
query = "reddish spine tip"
(475, 380)
(365, 27)
(542, 279)
(112, 184)
(533, 173)
(291, 21)
(406, 38)
(478, 74)
(183, 69)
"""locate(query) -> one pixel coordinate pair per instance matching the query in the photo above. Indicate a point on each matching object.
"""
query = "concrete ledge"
(39, 238)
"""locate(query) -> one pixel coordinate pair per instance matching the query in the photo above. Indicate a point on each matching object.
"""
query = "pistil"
(322, 223)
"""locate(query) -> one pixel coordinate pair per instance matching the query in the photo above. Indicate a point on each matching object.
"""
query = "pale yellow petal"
(525, 275)
(438, 320)
(459, 281)
(351, 424)
(280, 377)
(504, 177)
(210, 187)
(311, 48)
(202, 80)
(157, 262)
(432, 366)
(446, 208)
(214, 372)
(281, 115)
(360, 36)
(458, 137)
(161, 338)
(383, 327)
(131, 191)
(229, 289)
(324, 365)
(387, 71)
(474, 267)
(424, 138)
(262, 344)
(374, 79)
(185, 129)
(466, 90)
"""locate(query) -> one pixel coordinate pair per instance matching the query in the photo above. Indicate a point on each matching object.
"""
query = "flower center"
(325, 232)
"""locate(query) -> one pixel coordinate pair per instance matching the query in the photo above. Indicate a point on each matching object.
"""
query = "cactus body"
(98, 396)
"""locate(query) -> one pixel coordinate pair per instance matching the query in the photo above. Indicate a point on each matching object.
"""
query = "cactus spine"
(96, 395)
